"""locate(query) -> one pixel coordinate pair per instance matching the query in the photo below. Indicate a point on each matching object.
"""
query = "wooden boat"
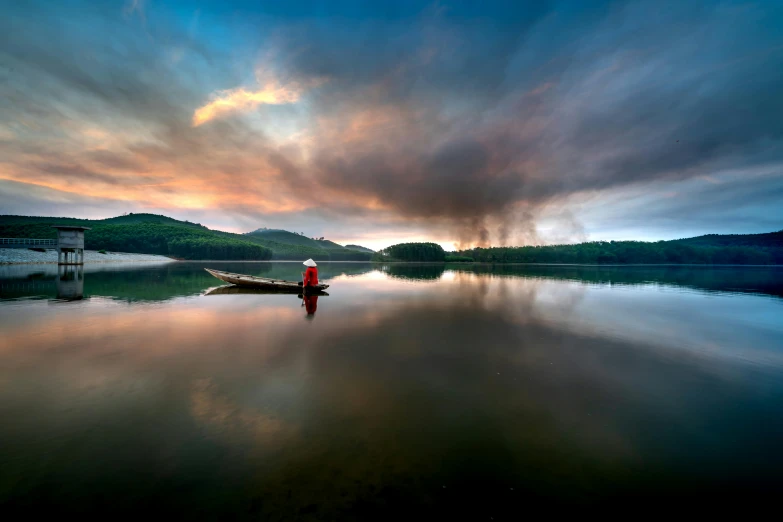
(279, 285)
(234, 289)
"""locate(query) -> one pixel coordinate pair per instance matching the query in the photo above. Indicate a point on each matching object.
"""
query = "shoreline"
(23, 256)
(12, 256)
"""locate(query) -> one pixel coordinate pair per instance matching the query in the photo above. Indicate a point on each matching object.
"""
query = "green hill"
(126, 219)
(360, 248)
(299, 245)
(144, 234)
(284, 236)
(154, 234)
(329, 245)
(766, 240)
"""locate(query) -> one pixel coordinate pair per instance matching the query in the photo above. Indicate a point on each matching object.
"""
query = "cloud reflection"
(473, 381)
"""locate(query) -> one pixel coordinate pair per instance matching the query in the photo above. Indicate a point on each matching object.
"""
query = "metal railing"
(25, 242)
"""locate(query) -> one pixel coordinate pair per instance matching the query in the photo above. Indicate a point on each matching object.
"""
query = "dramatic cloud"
(510, 124)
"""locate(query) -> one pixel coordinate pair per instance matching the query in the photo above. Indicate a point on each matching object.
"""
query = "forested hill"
(154, 234)
(741, 249)
(144, 234)
(767, 240)
(127, 219)
(317, 248)
(360, 248)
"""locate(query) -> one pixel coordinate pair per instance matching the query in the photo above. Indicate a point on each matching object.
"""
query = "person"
(310, 276)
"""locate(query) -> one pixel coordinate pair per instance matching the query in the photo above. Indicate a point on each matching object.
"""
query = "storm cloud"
(473, 123)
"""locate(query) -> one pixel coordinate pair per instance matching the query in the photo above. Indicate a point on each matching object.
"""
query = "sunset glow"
(434, 123)
(238, 100)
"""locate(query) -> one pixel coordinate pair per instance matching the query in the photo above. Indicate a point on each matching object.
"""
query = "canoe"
(234, 290)
(248, 281)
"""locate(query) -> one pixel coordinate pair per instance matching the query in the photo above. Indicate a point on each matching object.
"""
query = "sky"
(373, 123)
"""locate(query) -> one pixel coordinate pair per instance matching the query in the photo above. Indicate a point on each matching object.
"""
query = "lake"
(411, 390)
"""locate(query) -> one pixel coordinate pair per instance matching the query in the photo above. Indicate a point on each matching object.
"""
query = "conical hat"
(309, 262)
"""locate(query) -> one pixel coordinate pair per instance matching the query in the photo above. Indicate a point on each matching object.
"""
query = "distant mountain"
(305, 246)
(360, 248)
(284, 236)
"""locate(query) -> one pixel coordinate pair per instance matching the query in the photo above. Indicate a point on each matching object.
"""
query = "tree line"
(629, 252)
(153, 234)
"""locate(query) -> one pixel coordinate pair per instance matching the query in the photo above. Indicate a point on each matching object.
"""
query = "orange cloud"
(237, 100)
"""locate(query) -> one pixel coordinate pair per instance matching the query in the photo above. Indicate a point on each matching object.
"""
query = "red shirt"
(311, 276)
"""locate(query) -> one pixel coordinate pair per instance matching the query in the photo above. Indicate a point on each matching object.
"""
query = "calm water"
(413, 390)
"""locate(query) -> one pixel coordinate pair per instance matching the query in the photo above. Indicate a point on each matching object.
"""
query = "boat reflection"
(234, 290)
(309, 299)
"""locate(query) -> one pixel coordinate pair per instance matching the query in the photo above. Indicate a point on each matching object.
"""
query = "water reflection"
(414, 271)
(145, 282)
(466, 398)
(740, 279)
(310, 302)
(70, 282)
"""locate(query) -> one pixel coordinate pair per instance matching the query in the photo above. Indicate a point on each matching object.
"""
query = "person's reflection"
(310, 302)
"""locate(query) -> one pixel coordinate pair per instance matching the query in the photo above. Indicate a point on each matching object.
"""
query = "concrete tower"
(70, 244)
